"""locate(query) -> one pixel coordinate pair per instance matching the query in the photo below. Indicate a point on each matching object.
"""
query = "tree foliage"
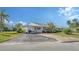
(19, 28)
(3, 18)
(67, 31)
(51, 26)
(73, 23)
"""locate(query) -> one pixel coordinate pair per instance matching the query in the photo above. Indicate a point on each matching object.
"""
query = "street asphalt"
(35, 42)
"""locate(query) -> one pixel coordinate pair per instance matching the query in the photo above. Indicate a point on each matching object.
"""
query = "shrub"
(77, 29)
(67, 31)
(6, 29)
(20, 30)
(54, 30)
(14, 29)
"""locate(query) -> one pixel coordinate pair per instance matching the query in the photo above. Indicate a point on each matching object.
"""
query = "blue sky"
(25, 15)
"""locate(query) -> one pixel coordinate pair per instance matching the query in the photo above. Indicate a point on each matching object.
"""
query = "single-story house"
(35, 28)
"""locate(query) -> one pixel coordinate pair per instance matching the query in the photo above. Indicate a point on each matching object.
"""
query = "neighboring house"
(35, 28)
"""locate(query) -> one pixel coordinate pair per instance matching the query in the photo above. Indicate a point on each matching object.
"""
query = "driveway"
(35, 42)
(24, 38)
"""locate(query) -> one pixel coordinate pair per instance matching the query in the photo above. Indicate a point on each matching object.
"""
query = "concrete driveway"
(35, 42)
(24, 38)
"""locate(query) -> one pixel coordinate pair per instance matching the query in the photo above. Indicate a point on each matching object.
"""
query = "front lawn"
(4, 36)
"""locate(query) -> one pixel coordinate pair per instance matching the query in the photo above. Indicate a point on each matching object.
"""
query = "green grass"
(4, 36)
(74, 35)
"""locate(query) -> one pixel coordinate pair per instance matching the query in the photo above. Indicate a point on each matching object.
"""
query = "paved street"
(35, 42)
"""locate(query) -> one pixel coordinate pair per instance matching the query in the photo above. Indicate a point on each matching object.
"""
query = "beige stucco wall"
(32, 28)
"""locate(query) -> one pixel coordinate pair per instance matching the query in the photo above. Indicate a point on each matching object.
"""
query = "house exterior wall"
(39, 29)
(33, 29)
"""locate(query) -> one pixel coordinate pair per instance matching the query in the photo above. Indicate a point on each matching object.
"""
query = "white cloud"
(68, 8)
(74, 16)
(8, 22)
(22, 22)
(11, 22)
(68, 12)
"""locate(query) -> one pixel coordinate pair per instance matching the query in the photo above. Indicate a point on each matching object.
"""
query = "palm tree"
(3, 18)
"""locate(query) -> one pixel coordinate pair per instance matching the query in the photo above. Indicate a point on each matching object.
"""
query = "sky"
(26, 15)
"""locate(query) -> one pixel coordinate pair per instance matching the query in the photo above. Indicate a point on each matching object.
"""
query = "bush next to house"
(20, 30)
(67, 31)
(77, 29)
(54, 30)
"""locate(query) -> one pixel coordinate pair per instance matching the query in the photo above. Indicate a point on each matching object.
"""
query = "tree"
(6, 28)
(19, 28)
(3, 18)
(73, 24)
(76, 23)
(51, 26)
(69, 22)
